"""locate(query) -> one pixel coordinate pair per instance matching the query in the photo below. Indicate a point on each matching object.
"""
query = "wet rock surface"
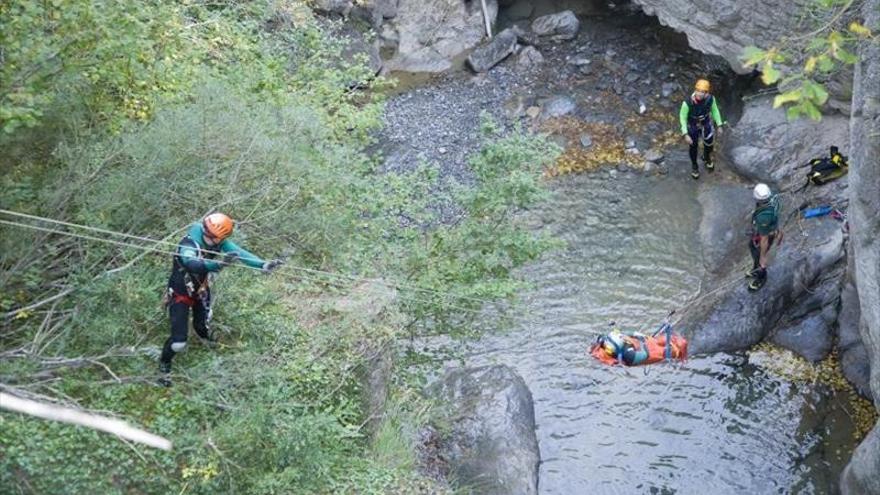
(491, 446)
(735, 318)
(725, 27)
(811, 338)
(799, 304)
(765, 146)
(853, 356)
(862, 475)
(724, 228)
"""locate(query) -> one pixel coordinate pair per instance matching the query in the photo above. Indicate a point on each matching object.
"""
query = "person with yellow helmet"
(203, 252)
(696, 116)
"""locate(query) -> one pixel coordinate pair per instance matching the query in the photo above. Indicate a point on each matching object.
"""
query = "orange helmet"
(703, 85)
(218, 225)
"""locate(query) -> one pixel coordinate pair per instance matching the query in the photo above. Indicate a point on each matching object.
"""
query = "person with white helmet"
(765, 230)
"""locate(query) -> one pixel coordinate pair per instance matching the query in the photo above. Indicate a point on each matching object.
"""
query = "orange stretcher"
(635, 349)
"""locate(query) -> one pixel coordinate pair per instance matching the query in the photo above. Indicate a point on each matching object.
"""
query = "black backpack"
(826, 169)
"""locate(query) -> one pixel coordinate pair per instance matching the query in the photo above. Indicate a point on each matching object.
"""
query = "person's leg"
(694, 133)
(201, 317)
(708, 143)
(178, 315)
(755, 251)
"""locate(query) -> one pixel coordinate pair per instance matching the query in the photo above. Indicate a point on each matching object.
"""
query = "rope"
(353, 278)
(313, 274)
(309, 274)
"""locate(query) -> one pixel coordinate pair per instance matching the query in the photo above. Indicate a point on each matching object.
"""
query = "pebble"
(654, 156)
(668, 88)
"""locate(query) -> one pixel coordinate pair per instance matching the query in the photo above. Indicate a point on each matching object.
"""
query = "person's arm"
(683, 117)
(189, 257)
(245, 256)
(716, 114)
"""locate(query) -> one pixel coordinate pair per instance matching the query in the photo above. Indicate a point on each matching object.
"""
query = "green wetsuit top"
(691, 109)
(192, 261)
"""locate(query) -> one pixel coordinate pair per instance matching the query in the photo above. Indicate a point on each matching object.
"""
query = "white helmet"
(761, 192)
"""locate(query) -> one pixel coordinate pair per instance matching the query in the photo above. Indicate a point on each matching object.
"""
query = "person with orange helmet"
(205, 250)
(696, 116)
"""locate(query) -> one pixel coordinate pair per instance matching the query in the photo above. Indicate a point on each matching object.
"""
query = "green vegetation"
(140, 117)
(802, 65)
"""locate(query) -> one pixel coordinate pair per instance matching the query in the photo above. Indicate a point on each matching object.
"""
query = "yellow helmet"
(703, 85)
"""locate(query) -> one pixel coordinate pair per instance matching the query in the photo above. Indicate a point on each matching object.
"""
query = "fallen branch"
(39, 303)
(72, 416)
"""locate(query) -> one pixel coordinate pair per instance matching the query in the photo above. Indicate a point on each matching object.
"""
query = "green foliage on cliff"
(139, 117)
(801, 63)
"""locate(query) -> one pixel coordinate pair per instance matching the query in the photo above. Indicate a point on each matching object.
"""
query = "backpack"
(826, 169)
(765, 219)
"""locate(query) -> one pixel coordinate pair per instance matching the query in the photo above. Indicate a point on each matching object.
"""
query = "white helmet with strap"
(761, 192)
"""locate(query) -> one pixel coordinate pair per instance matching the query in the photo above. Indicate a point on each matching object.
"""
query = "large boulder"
(725, 27)
(359, 47)
(429, 34)
(854, 360)
(765, 146)
(557, 27)
(529, 57)
(342, 7)
(492, 445)
(862, 475)
(487, 56)
(730, 318)
(811, 338)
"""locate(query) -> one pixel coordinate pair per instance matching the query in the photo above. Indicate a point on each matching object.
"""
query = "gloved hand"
(719, 130)
(688, 139)
(270, 266)
(228, 259)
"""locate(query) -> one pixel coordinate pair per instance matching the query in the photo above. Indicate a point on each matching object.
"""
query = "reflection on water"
(714, 424)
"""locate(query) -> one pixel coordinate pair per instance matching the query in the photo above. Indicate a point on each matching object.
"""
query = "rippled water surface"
(716, 424)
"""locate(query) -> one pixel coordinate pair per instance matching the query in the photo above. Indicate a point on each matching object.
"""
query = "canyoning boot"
(209, 340)
(759, 278)
(751, 273)
(709, 165)
(695, 172)
(756, 284)
(164, 374)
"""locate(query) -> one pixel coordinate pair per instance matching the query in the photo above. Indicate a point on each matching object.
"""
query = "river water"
(713, 424)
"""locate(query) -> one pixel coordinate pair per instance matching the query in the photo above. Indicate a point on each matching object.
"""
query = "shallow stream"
(714, 424)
